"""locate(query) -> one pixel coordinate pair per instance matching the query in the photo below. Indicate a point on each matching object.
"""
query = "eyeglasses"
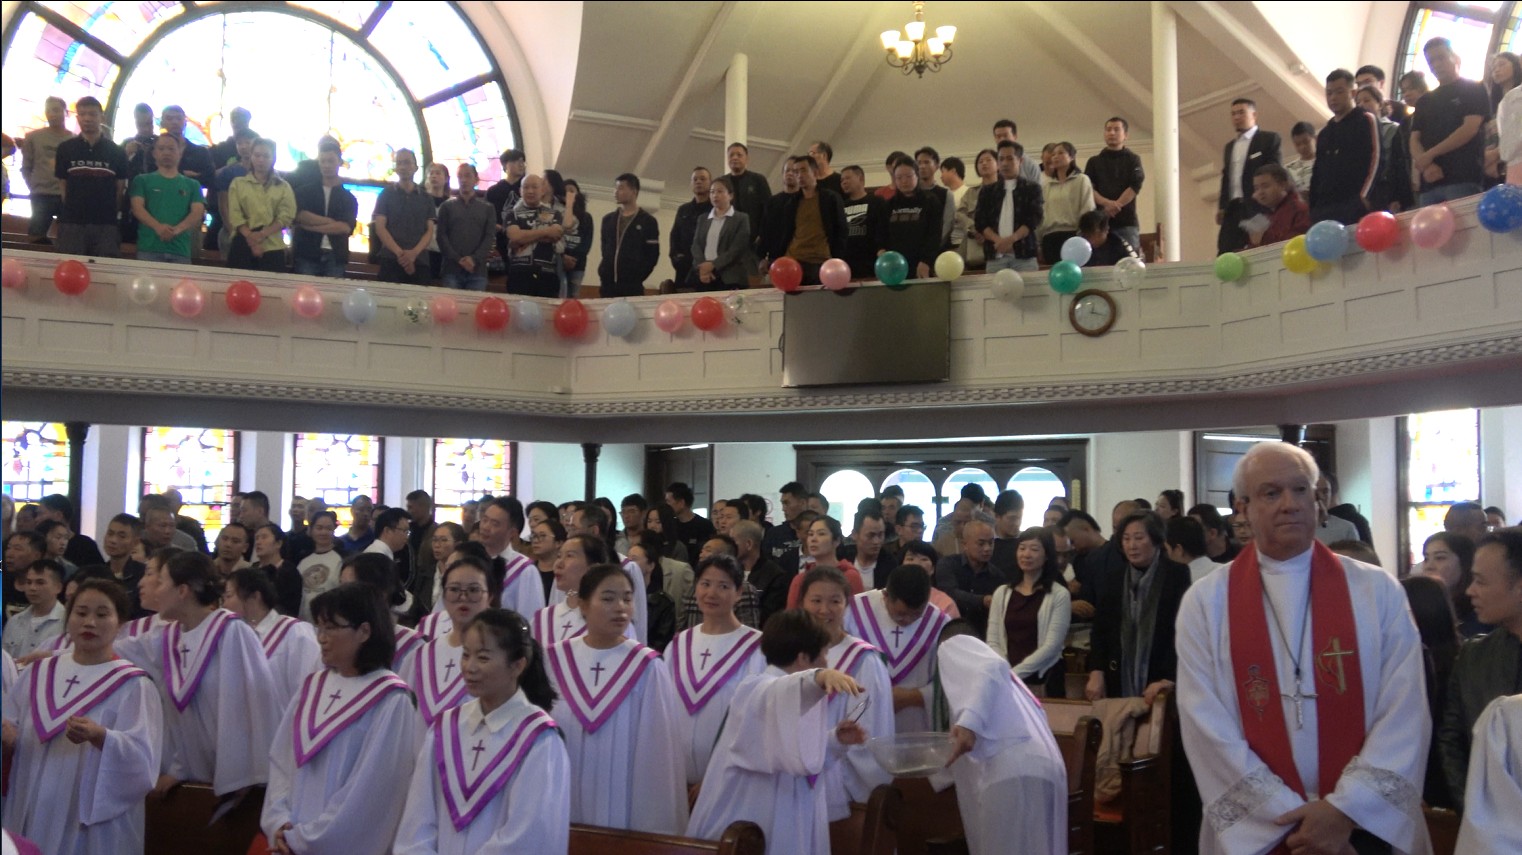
(470, 594)
(329, 628)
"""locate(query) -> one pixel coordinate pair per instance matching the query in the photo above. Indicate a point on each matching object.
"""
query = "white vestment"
(408, 643)
(1380, 790)
(78, 799)
(1493, 789)
(521, 589)
(909, 650)
(291, 646)
(221, 695)
(436, 624)
(559, 622)
(706, 670)
(494, 784)
(641, 620)
(852, 772)
(1012, 787)
(8, 673)
(773, 744)
(341, 753)
(437, 679)
(618, 710)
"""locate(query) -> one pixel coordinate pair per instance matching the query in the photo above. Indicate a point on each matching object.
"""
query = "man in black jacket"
(1347, 156)
(1008, 213)
(813, 221)
(685, 226)
(772, 225)
(631, 243)
(1251, 148)
(1131, 652)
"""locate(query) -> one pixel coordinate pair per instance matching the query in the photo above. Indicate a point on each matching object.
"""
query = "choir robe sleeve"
(861, 771)
(296, 657)
(1493, 792)
(525, 595)
(418, 833)
(641, 602)
(659, 801)
(246, 712)
(130, 757)
(783, 729)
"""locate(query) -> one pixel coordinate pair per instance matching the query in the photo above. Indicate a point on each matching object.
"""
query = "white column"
(1165, 127)
(736, 103)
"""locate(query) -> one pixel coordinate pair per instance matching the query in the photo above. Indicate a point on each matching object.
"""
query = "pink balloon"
(187, 299)
(1432, 226)
(445, 309)
(835, 274)
(14, 273)
(669, 316)
(308, 302)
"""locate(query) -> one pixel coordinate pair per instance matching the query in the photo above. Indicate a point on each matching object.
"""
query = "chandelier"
(911, 51)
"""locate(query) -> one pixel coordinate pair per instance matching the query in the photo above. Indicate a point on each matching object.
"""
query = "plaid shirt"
(748, 610)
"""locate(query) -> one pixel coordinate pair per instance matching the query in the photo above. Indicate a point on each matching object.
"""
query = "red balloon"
(243, 297)
(492, 314)
(571, 319)
(787, 274)
(1378, 231)
(71, 277)
(707, 314)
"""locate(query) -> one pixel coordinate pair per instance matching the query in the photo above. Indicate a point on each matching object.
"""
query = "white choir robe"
(8, 672)
(435, 624)
(852, 773)
(78, 799)
(1493, 788)
(521, 589)
(704, 685)
(222, 736)
(641, 620)
(559, 622)
(408, 643)
(291, 646)
(909, 650)
(437, 679)
(1381, 789)
(530, 813)
(618, 710)
(775, 739)
(1012, 787)
(347, 797)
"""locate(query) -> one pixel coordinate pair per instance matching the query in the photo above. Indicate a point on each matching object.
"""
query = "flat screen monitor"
(869, 335)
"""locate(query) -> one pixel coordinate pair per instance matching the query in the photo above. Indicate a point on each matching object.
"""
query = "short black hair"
(908, 585)
(1123, 123)
(729, 543)
(418, 496)
(87, 101)
(1187, 533)
(1375, 71)
(895, 156)
(48, 565)
(59, 503)
(891, 490)
(1414, 78)
(823, 574)
(1510, 541)
(129, 521)
(257, 497)
(925, 149)
(757, 505)
(1340, 74)
(1093, 222)
(512, 155)
(920, 547)
(1305, 128)
(907, 511)
(1274, 171)
(829, 153)
(1151, 523)
(634, 500)
(112, 590)
(1007, 123)
(790, 633)
(512, 507)
(1008, 502)
(628, 178)
(680, 490)
(357, 604)
(956, 165)
(794, 489)
(378, 573)
(1210, 518)
(1081, 516)
(973, 491)
(868, 514)
(595, 576)
(1251, 104)
(1437, 42)
(739, 145)
(1017, 148)
(252, 580)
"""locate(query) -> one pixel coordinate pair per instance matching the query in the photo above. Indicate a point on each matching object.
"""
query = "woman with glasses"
(447, 537)
(470, 587)
(544, 542)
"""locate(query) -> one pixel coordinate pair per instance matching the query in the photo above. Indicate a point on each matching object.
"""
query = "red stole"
(1338, 682)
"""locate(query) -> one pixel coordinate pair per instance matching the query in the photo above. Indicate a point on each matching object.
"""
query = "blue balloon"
(619, 318)
(1327, 240)
(1500, 208)
(528, 315)
(1077, 250)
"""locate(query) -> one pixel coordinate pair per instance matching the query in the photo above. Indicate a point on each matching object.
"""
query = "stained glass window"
(1470, 27)
(467, 469)
(1442, 469)
(337, 467)
(36, 460)
(202, 463)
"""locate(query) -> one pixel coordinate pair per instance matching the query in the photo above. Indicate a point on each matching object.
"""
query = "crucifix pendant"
(1299, 700)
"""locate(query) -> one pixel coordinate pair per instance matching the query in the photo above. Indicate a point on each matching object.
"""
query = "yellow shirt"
(809, 245)
(257, 205)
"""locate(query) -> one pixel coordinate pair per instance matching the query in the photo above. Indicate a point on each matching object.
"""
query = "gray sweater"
(466, 229)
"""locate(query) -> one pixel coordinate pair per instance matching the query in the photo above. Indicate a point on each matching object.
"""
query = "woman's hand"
(965, 741)
(81, 730)
(834, 682)
(162, 788)
(1095, 690)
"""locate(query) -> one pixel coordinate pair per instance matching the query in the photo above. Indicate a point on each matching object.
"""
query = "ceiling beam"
(848, 82)
(1218, 98)
(679, 97)
(1261, 62)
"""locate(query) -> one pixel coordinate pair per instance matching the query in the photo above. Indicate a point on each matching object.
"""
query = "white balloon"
(1129, 272)
(1077, 250)
(619, 318)
(1007, 285)
(528, 315)
(359, 306)
(143, 290)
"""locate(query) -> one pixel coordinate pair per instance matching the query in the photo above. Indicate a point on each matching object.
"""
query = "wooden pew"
(869, 830)
(177, 824)
(1080, 749)
(740, 838)
(1443, 826)
(928, 822)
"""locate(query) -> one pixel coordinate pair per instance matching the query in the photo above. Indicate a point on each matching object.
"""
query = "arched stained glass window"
(202, 463)
(845, 489)
(1442, 456)
(1476, 31)
(337, 467)
(36, 460)
(467, 469)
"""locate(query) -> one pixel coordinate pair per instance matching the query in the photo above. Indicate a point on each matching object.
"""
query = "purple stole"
(437, 693)
(50, 717)
(277, 634)
(515, 569)
(923, 635)
(855, 650)
(544, 627)
(697, 691)
(466, 792)
(428, 627)
(316, 721)
(183, 672)
(407, 641)
(594, 706)
(130, 629)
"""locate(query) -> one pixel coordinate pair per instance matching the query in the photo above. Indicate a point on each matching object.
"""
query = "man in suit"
(720, 250)
(1132, 653)
(1251, 148)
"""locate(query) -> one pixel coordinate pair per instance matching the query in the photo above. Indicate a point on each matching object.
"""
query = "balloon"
(143, 290)
(891, 268)
(1432, 226)
(1077, 250)
(1296, 258)
(1065, 276)
(1500, 208)
(1377, 231)
(571, 318)
(1129, 272)
(187, 299)
(243, 297)
(416, 310)
(833, 274)
(669, 317)
(359, 306)
(1008, 285)
(1327, 240)
(492, 314)
(14, 273)
(530, 316)
(949, 266)
(1229, 267)
(734, 305)
(71, 277)
(787, 274)
(444, 309)
(308, 302)
(620, 318)
(708, 314)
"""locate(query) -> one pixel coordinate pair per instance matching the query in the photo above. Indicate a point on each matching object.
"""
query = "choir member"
(619, 716)
(899, 620)
(377, 573)
(773, 747)
(562, 618)
(83, 794)
(1493, 792)
(853, 772)
(289, 644)
(513, 795)
(639, 620)
(439, 622)
(343, 747)
(469, 589)
(709, 661)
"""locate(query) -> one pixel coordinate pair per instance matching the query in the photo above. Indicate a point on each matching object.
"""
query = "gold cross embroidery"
(1329, 663)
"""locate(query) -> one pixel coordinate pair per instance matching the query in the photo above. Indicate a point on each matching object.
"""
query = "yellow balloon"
(1297, 259)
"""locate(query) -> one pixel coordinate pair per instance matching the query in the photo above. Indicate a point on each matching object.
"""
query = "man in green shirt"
(168, 205)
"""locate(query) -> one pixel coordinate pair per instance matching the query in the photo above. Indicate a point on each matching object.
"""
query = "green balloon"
(1229, 267)
(892, 269)
(1065, 277)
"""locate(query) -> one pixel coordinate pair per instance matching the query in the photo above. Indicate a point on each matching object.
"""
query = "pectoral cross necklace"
(1295, 654)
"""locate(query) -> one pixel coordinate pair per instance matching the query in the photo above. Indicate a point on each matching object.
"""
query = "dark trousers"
(621, 289)
(1231, 237)
(45, 209)
(810, 272)
(534, 283)
(422, 272)
(1347, 212)
(241, 257)
(1051, 246)
(101, 240)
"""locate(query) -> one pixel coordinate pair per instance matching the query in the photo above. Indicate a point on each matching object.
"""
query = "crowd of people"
(747, 663)
(156, 191)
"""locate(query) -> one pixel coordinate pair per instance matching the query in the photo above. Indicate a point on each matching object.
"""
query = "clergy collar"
(714, 214)
(1298, 565)
(516, 707)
